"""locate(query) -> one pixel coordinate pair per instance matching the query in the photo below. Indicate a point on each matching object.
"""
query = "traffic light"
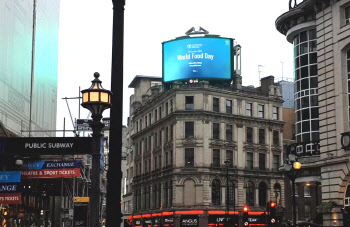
(272, 212)
(245, 215)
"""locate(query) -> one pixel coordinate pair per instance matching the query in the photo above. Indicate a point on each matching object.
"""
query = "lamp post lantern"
(96, 99)
(292, 170)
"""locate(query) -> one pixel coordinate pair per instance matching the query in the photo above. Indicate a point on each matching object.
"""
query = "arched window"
(277, 193)
(348, 79)
(215, 192)
(166, 194)
(139, 199)
(170, 194)
(250, 193)
(262, 194)
(155, 190)
(144, 199)
(159, 195)
(232, 193)
(189, 192)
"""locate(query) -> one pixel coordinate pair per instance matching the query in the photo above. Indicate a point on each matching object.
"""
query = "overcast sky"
(85, 41)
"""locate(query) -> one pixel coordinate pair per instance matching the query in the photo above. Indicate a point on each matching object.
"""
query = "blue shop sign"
(9, 177)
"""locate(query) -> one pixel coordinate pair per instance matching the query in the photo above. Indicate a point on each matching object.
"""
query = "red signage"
(10, 198)
(50, 173)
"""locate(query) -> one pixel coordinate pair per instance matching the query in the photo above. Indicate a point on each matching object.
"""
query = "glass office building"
(16, 49)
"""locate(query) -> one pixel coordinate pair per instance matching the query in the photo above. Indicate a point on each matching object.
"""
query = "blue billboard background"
(197, 58)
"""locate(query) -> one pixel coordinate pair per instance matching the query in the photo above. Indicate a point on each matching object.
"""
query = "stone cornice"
(302, 13)
(209, 116)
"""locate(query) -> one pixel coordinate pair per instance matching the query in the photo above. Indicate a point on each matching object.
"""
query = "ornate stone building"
(179, 140)
(320, 33)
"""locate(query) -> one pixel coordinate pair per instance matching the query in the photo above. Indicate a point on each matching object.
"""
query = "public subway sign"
(10, 187)
(47, 145)
(50, 169)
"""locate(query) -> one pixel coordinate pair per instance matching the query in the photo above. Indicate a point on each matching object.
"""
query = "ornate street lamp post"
(96, 99)
(292, 170)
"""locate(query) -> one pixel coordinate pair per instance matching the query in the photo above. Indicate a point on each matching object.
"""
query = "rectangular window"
(160, 138)
(249, 160)
(216, 105)
(166, 109)
(189, 130)
(171, 106)
(155, 163)
(216, 131)
(276, 138)
(189, 157)
(140, 124)
(307, 211)
(155, 137)
(307, 192)
(216, 157)
(145, 145)
(150, 143)
(275, 113)
(276, 162)
(160, 161)
(229, 157)
(347, 15)
(160, 112)
(146, 122)
(249, 109)
(166, 134)
(149, 165)
(155, 115)
(261, 111)
(171, 132)
(262, 161)
(189, 103)
(249, 135)
(261, 136)
(166, 159)
(229, 132)
(228, 106)
(171, 158)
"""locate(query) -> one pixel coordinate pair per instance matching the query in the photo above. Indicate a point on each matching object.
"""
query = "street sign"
(81, 211)
(84, 124)
(81, 199)
(50, 169)
(10, 190)
(47, 145)
(107, 122)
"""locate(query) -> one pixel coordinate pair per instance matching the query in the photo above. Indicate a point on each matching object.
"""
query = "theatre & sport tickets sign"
(50, 169)
(10, 188)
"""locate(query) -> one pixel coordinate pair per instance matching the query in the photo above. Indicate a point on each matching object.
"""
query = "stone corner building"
(320, 33)
(180, 137)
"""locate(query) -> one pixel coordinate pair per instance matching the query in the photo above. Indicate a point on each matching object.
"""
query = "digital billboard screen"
(197, 58)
